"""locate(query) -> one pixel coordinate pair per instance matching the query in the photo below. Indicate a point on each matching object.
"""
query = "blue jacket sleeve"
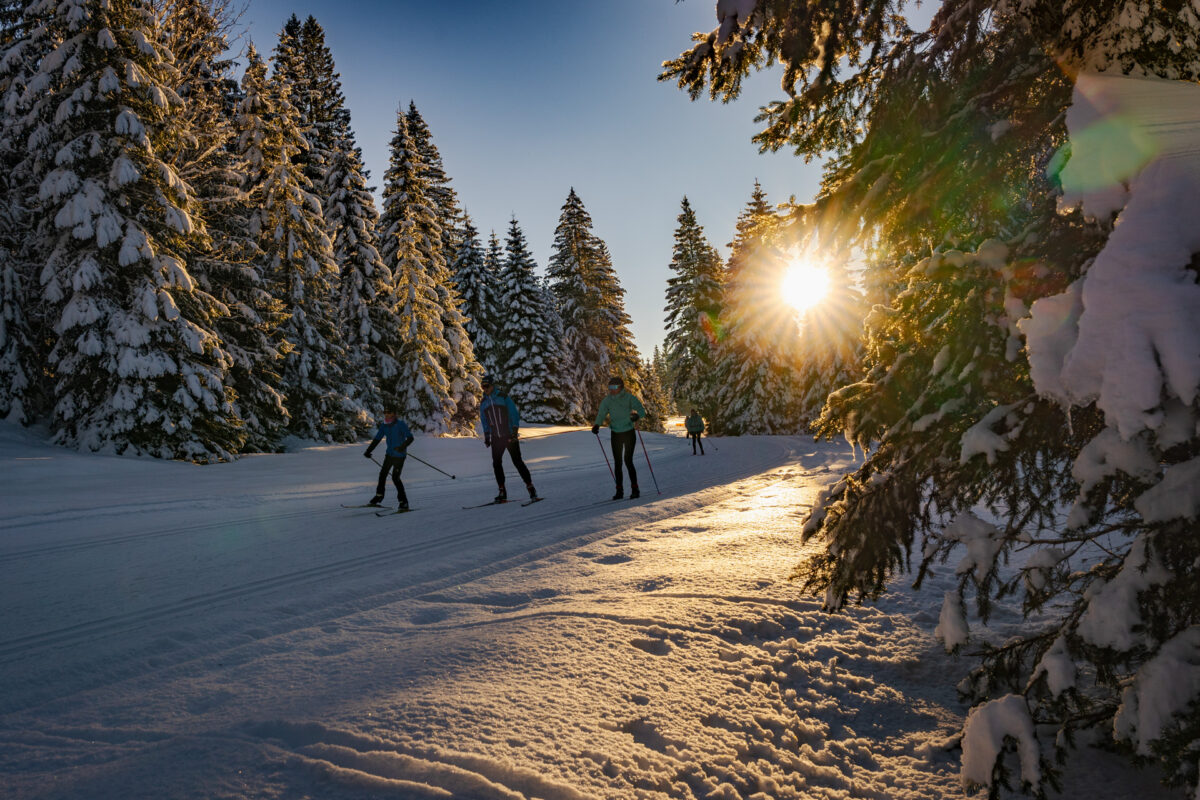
(378, 438)
(514, 417)
(483, 423)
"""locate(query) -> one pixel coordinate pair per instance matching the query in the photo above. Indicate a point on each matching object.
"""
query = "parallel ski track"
(108, 625)
(156, 507)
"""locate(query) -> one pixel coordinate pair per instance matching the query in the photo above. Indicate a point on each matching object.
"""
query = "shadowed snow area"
(230, 631)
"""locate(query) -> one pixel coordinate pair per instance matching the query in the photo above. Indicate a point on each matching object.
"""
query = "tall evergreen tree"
(477, 286)
(951, 141)
(693, 315)
(756, 355)
(368, 302)
(623, 356)
(529, 354)
(18, 348)
(225, 259)
(654, 394)
(297, 260)
(443, 196)
(21, 355)
(493, 259)
(462, 368)
(411, 245)
(320, 102)
(137, 363)
(571, 273)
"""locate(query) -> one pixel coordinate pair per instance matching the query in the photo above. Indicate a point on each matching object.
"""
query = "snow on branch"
(1135, 148)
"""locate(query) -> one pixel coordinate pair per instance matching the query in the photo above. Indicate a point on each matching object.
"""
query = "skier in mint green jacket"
(622, 410)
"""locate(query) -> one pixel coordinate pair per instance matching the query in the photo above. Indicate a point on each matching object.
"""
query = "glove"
(487, 440)
(367, 454)
(407, 442)
(516, 434)
(633, 416)
(596, 429)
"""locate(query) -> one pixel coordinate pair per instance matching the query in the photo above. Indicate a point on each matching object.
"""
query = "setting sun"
(804, 285)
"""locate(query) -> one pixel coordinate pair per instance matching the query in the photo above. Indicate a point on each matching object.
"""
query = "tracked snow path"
(229, 632)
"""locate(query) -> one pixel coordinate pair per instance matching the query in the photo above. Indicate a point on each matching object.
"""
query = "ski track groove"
(77, 515)
(108, 626)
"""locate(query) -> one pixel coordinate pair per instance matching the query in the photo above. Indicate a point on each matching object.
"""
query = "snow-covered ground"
(172, 631)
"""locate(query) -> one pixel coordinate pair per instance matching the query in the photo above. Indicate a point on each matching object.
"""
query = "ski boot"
(634, 494)
(403, 505)
(532, 491)
(502, 497)
(376, 500)
(620, 493)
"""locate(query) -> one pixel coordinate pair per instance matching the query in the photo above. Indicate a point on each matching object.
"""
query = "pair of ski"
(386, 513)
(506, 502)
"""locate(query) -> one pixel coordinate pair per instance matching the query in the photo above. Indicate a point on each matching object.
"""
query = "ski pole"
(426, 463)
(431, 466)
(526, 438)
(605, 454)
(647, 455)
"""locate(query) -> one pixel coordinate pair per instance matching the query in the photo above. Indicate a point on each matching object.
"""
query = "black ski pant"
(622, 449)
(695, 437)
(393, 464)
(514, 451)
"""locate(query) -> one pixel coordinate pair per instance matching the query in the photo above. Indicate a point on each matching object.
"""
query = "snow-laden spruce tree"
(371, 327)
(225, 258)
(571, 274)
(319, 100)
(137, 364)
(1030, 397)
(623, 356)
(18, 350)
(20, 355)
(441, 193)
(410, 241)
(297, 66)
(693, 315)
(530, 355)
(477, 287)
(296, 258)
(493, 257)
(438, 244)
(757, 336)
(654, 394)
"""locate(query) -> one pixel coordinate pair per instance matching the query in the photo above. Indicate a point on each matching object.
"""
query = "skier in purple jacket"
(501, 422)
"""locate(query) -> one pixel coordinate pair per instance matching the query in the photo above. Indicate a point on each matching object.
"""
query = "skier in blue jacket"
(501, 424)
(399, 437)
(622, 410)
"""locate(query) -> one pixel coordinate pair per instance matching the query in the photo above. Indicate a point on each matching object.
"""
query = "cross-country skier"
(399, 437)
(622, 410)
(501, 431)
(694, 424)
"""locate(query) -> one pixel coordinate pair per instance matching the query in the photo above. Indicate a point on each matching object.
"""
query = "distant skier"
(695, 426)
(399, 437)
(501, 424)
(622, 410)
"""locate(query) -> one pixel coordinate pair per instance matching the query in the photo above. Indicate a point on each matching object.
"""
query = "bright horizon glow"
(804, 285)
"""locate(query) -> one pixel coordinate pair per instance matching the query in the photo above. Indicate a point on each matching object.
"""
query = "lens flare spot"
(804, 285)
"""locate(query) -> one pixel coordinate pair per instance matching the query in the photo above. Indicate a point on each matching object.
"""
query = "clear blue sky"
(526, 99)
